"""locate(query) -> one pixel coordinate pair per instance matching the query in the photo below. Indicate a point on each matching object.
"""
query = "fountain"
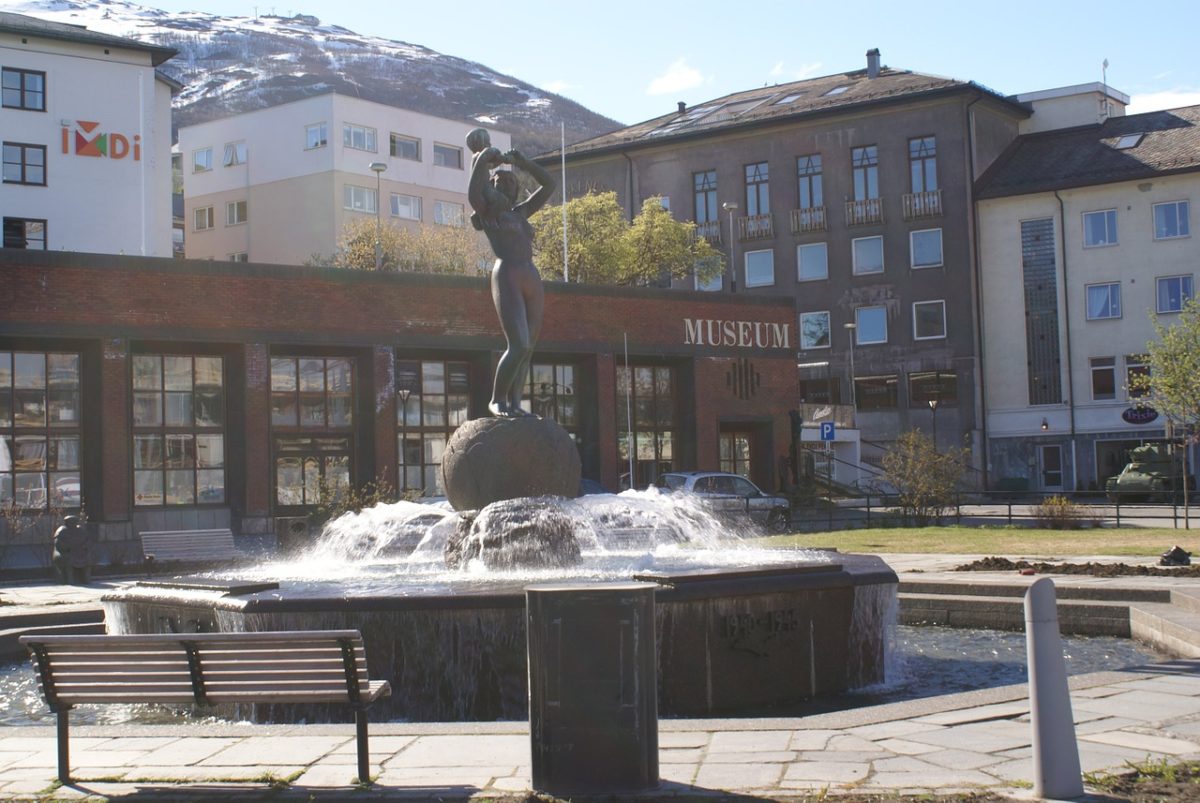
(740, 629)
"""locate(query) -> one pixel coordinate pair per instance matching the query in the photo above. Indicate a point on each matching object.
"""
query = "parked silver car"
(731, 495)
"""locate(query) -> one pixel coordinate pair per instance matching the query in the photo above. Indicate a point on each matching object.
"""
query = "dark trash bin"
(593, 701)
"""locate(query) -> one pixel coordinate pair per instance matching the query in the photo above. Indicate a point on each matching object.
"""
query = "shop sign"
(736, 334)
(90, 142)
(1139, 415)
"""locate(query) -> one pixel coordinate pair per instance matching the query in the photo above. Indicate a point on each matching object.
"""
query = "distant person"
(516, 286)
(72, 556)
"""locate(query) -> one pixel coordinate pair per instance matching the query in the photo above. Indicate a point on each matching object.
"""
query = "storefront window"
(312, 406)
(178, 430)
(432, 400)
(39, 430)
(550, 393)
(648, 392)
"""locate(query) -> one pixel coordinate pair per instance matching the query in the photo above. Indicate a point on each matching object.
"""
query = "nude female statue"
(516, 286)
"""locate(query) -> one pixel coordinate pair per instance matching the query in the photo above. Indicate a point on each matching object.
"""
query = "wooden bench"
(319, 666)
(188, 546)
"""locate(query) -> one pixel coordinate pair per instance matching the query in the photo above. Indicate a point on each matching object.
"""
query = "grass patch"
(955, 540)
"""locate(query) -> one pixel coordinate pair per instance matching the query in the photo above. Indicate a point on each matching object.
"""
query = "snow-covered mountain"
(234, 64)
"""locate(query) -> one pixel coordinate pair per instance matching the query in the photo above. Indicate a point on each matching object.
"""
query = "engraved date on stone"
(739, 625)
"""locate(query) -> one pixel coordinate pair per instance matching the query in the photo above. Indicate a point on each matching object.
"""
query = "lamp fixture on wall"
(1045, 425)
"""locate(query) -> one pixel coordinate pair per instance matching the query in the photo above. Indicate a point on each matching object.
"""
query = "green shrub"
(1060, 513)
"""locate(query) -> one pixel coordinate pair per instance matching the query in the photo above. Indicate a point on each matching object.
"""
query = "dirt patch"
(993, 564)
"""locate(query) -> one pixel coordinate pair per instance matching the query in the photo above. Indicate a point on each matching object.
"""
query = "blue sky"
(633, 60)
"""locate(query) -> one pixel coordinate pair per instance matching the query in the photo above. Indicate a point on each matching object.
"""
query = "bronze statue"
(516, 286)
(72, 556)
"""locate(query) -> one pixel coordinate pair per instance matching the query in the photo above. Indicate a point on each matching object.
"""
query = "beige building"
(278, 184)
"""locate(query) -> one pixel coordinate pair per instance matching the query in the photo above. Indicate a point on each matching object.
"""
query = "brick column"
(256, 429)
(116, 445)
(384, 407)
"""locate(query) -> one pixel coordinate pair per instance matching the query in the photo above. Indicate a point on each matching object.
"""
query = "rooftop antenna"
(1104, 110)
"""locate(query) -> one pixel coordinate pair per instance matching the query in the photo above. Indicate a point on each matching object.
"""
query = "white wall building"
(1085, 237)
(86, 128)
(278, 184)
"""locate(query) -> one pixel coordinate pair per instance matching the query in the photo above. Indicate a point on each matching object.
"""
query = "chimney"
(682, 107)
(873, 63)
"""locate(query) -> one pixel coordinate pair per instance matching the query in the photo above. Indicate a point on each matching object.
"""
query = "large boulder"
(491, 459)
(515, 533)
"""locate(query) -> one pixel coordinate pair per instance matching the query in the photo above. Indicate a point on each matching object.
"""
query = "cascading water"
(740, 627)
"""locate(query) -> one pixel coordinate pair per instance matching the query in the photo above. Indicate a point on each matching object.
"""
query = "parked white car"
(731, 495)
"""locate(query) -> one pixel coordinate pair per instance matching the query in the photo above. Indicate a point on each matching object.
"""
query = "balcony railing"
(922, 204)
(810, 219)
(710, 231)
(755, 227)
(861, 213)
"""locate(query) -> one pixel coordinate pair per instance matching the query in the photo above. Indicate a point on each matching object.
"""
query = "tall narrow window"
(432, 400)
(650, 394)
(922, 164)
(758, 197)
(808, 172)
(312, 415)
(705, 186)
(1104, 378)
(39, 430)
(865, 162)
(551, 393)
(178, 430)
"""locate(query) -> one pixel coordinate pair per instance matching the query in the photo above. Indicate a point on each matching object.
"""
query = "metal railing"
(861, 213)
(756, 227)
(809, 219)
(922, 204)
(710, 231)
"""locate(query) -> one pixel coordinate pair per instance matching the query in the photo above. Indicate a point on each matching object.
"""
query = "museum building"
(171, 394)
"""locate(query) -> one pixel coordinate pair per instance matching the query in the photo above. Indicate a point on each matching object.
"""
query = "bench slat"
(266, 637)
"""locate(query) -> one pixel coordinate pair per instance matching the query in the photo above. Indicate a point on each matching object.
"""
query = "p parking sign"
(827, 431)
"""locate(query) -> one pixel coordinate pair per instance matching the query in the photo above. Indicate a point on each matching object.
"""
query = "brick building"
(167, 394)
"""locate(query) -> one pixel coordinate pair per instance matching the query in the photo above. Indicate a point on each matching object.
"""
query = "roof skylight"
(837, 90)
(792, 98)
(1129, 141)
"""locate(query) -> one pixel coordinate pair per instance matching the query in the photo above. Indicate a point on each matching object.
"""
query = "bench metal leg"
(64, 752)
(364, 753)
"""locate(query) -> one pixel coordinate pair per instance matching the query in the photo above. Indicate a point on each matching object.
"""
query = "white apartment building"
(278, 184)
(1085, 236)
(86, 126)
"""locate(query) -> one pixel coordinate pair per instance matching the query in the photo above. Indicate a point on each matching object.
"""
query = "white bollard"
(1055, 753)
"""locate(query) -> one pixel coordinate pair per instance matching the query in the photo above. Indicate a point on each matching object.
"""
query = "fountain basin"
(730, 641)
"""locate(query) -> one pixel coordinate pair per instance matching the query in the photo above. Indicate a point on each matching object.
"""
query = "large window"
(1173, 292)
(876, 392)
(870, 325)
(865, 162)
(867, 253)
(922, 163)
(705, 187)
(1103, 301)
(814, 330)
(1099, 228)
(24, 164)
(808, 173)
(316, 136)
(760, 268)
(925, 247)
(432, 400)
(39, 429)
(178, 430)
(927, 386)
(447, 156)
(758, 195)
(812, 262)
(23, 232)
(403, 147)
(1104, 378)
(734, 458)
(650, 394)
(312, 404)
(1171, 220)
(551, 393)
(359, 199)
(406, 206)
(23, 89)
(448, 213)
(358, 137)
(312, 392)
(929, 320)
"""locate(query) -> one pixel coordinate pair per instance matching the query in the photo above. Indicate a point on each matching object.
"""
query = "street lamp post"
(378, 167)
(850, 327)
(731, 207)
(933, 405)
(403, 393)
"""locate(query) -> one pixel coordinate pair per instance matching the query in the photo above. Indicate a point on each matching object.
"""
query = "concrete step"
(30, 616)
(12, 650)
(1075, 617)
(1062, 591)
(1170, 629)
(1186, 599)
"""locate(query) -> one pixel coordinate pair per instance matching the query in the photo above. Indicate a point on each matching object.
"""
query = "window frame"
(235, 154)
(757, 177)
(50, 393)
(322, 139)
(370, 137)
(239, 256)
(232, 209)
(22, 105)
(24, 148)
(704, 196)
(1087, 301)
(1135, 364)
(348, 198)
(393, 207)
(393, 138)
(1109, 215)
(945, 327)
(439, 151)
(1098, 366)
(858, 326)
(207, 167)
(891, 391)
(945, 385)
(25, 221)
(800, 248)
(439, 217)
(828, 330)
(810, 181)
(746, 267)
(1183, 297)
(919, 163)
(1186, 227)
(212, 221)
(854, 269)
(912, 250)
(420, 426)
(864, 171)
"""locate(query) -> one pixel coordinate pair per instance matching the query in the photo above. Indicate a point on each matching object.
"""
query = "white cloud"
(678, 77)
(808, 70)
(557, 87)
(777, 69)
(1168, 99)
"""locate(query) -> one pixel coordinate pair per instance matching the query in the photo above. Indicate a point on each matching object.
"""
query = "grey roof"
(24, 25)
(1078, 157)
(765, 105)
